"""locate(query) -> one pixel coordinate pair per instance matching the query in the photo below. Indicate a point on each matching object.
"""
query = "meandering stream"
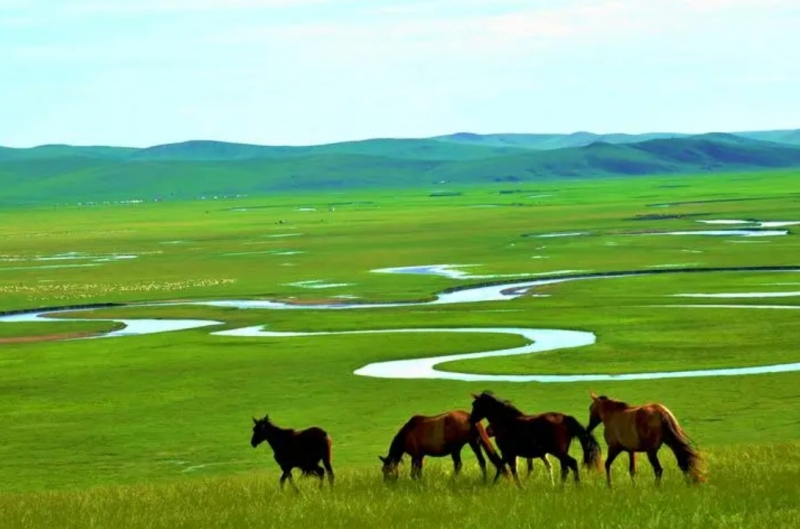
(539, 340)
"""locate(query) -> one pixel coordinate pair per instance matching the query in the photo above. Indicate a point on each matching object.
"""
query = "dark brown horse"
(547, 465)
(437, 436)
(643, 429)
(529, 436)
(303, 449)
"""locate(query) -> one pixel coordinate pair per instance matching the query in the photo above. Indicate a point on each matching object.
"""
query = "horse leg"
(613, 452)
(456, 455)
(568, 463)
(652, 455)
(548, 466)
(632, 466)
(502, 468)
(287, 475)
(320, 473)
(512, 464)
(564, 469)
(476, 448)
(416, 467)
(326, 462)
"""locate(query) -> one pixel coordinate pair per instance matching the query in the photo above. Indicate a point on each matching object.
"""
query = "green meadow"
(154, 430)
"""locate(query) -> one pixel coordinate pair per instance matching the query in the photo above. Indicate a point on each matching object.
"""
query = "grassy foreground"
(752, 487)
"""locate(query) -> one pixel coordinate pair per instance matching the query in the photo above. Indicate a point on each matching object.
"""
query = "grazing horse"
(529, 436)
(547, 465)
(643, 429)
(303, 449)
(438, 436)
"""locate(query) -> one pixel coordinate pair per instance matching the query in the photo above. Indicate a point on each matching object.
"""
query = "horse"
(303, 449)
(529, 436)
(643, 429)
(437, 436)
(547, 465)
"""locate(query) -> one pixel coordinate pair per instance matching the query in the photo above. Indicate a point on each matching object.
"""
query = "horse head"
(483, 406)
(596, 410)
(260, 428)
(389, 468)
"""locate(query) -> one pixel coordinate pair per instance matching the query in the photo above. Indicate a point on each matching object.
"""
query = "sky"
(299, 72)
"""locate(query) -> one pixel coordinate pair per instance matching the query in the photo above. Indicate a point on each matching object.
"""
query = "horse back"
(434, 434)
(638, 428)
(546, 423)
(311, 442)
(313, 431)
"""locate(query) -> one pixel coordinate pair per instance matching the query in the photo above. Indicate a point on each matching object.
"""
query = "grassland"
(361, 500)
(153, 431)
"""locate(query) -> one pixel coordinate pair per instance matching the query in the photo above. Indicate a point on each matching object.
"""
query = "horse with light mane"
(644, 428)
(438, 436)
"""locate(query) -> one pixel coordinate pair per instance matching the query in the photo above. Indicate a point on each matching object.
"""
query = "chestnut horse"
(643, 429)
(437, 436)
(547, 465)
(529, 436)
(303, 449)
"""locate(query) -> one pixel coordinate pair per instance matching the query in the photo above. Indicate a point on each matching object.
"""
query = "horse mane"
(507, 406)
(274, 427)
(614, 402)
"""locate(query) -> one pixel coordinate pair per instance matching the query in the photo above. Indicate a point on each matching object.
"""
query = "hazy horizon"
(392, 138)
(311, 72)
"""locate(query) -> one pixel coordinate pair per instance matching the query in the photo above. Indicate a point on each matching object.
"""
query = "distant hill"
(582, 139)
(789, 137)
(189, 170)
(62, 151)
(418, 149)
(550, 141)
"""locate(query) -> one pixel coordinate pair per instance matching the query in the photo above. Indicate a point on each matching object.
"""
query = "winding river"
(538, 340)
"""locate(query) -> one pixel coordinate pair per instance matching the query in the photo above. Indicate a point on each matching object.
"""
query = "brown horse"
(547, 465)
(529, 436)
(303, 449)
(643, 429)
(437, 436)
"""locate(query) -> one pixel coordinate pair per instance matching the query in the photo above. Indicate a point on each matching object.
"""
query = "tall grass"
(750, 486)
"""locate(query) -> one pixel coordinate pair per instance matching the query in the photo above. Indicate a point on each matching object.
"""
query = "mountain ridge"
(189, 170)
(539, 141)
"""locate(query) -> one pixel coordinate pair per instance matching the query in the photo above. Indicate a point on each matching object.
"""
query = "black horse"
(303, 449)
(531, 436)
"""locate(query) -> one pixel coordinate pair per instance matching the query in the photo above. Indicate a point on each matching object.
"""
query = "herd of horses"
(631, 429)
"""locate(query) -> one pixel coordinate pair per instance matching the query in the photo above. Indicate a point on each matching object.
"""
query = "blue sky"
(292, 72)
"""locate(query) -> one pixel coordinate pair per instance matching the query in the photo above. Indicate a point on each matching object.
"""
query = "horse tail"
(689, 459)
(486, 444)
(592, 455)
(327, 456)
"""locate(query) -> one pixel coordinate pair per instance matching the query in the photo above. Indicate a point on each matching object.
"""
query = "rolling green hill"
(194, 169)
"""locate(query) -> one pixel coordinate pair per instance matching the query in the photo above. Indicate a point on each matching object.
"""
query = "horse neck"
(276, 436)
(502, 414)
(398, 446)
(612, 408)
